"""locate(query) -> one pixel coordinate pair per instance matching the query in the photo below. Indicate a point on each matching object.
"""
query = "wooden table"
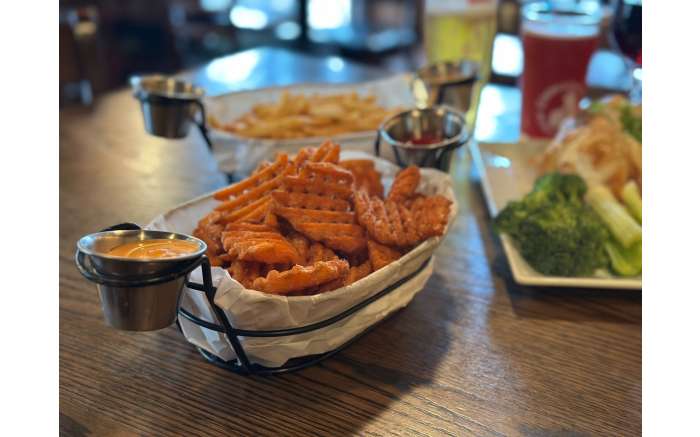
(473, 354)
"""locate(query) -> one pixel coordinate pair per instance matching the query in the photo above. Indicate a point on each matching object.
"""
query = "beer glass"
(558, 43)
(462, 29)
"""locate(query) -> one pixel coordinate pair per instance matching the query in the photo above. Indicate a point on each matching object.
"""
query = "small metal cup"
(446, 125)
(169, 105)
(448, 83)
(136, 295)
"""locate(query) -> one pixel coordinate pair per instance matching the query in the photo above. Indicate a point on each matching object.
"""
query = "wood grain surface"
(473, 354)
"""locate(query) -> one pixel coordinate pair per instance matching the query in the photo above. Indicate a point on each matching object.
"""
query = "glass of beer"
(462, 29)
(558, 43)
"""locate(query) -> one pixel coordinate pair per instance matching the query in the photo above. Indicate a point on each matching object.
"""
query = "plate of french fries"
(246, 127)
(302, 116)
(307, 236)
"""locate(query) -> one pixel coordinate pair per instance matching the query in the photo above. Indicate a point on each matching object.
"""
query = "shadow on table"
(572, 304)
(349, 389)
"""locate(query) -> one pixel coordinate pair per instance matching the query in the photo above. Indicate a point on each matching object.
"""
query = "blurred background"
(103, 42)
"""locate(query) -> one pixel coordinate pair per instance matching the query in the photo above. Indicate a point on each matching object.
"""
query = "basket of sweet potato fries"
(305, 238)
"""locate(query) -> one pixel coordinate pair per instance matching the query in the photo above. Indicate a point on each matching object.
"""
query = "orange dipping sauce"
(153, 249)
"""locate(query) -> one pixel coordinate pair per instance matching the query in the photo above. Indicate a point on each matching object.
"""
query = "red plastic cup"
(558, 44)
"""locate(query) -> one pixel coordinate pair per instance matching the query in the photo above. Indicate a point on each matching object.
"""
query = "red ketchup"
(424, 140)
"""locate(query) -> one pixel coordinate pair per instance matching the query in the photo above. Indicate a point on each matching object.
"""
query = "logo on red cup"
(557, 102)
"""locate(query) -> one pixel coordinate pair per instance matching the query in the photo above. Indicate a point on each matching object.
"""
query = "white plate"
(507, 174)
(239, 154)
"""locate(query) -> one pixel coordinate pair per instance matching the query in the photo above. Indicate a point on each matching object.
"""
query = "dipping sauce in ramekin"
(154, 249)
(425, 139)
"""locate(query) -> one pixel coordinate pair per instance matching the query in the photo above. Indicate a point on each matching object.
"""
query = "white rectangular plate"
(507, 174)
(240, 154)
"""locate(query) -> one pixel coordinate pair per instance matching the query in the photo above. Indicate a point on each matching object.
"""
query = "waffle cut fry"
(380, 255)
(367, 178)
(311, 223)
(405, 184)
(209, 231)
(404, 218)
(249, 199)
(245, 272)
(301, 277)
(260, 244)
(316, 203)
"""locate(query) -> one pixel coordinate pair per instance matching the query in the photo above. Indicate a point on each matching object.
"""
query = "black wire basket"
(241, 364)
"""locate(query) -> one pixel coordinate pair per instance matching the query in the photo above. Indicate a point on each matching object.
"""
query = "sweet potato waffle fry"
(405, 184)
(263, 245)
(316, 203)
(380, 255)
(244, 272)
(249, 200)
(328, 151)
(311, 224)
(430, 214)
(301, 116)
(209, 231)
(358, 272)
(301, 277)
(404, 218)
(366, 177)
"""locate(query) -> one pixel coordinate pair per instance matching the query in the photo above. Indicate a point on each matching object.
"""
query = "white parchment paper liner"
(254, 310)
(234, 153)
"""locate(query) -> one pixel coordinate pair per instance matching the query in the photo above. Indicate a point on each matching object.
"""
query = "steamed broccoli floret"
(560, 187)
(549, 189)
(557, 233)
